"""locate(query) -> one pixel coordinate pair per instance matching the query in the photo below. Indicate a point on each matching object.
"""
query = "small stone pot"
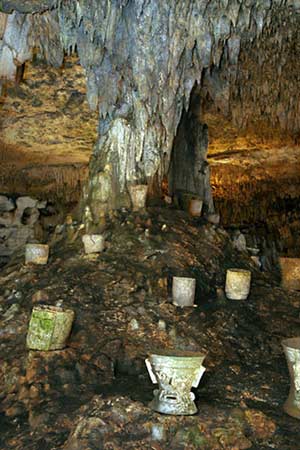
(237, 286)
(93, 243)
(290, 273)
(195, 207)
(36, 253)
(176, 373)
(292, 352)
(49, 328)
(213, 218)
(138, 196)
(183, 291)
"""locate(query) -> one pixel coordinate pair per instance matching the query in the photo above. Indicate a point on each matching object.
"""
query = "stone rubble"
(21, 221)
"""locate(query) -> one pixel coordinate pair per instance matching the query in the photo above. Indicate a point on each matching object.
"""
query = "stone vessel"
(290, 273)
(183, 291)
(292, 352)
(36, 253)
(237, 285)
(195, 207)
(49, 328)
(138, 195)
(175, 372)
(93, 243)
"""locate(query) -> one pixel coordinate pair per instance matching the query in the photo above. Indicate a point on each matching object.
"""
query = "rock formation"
(142, 60)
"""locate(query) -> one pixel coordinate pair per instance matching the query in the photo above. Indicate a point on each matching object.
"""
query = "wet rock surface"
(95, 392)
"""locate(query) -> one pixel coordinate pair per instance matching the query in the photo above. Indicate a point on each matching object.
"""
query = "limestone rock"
(25, 202)
(6, 204)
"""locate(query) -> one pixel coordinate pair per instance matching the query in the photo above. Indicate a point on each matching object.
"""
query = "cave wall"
(142, 59)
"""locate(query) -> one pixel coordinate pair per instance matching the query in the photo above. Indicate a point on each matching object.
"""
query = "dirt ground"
(94, 394)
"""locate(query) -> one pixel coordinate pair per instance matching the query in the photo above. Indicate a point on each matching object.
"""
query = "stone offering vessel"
(138, 195)
(36, 253)
(290, 273)
(49, 328)
(175, 372)
(237, 286)
(195, 207)
(93, 243)
(292, 352)
(183, 291)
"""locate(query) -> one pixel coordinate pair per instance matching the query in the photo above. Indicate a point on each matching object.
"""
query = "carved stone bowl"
(175, 372)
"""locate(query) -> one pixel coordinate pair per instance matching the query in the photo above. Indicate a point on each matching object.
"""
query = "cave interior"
(197, 100)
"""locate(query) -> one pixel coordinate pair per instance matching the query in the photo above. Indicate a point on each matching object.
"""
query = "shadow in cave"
(189, 175)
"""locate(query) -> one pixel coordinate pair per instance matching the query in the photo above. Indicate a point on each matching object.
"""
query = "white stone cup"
(183, 291)
(36, 254)
(93, 243)
(291, 349)
(138, 196)
(290, 273)
(175, 372)
(237, 286)
(49, 328)
(195, 207)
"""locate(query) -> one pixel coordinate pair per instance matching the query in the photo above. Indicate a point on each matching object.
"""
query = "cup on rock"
(138, 195)
(36, 254)
(183, 291)
(195, 207)
(93, 243)
(237, 285)
(291, 349)
(49, 328)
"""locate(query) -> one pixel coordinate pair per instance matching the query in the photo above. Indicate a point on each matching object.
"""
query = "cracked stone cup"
(175, 372)
(49, 328)
(36, 253)
(183, 291)
(93, 243)
(138, 196)
(291, 349)
(237, 286)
